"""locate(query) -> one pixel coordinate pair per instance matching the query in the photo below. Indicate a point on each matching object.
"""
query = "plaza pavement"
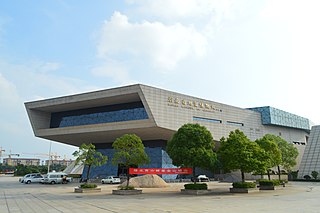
(16, 197)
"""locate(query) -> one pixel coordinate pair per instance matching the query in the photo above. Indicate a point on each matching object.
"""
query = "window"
(207, 120)
(235, 123)
(98, 115)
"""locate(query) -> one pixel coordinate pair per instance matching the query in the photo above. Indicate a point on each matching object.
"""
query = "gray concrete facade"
(311, 157)
(166, 112)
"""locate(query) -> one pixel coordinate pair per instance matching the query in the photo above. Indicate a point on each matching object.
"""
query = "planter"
(127, 192)
(195, 192)
(267, 188)
(86, 190)
(243, 190)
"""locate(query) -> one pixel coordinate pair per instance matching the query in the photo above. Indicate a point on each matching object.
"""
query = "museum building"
(154, 115)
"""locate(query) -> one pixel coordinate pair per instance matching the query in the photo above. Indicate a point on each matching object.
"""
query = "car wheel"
(52, 182)
(111, 182)
(102, 182)
(28, 182)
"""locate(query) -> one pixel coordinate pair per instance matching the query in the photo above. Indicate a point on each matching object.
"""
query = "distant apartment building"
(59, 162)
(21, 161)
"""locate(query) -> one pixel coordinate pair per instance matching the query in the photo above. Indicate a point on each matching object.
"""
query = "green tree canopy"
(272, 152)
(192, 146)
(289, 153)
(89, 156)
(238, 152)
(129, 151)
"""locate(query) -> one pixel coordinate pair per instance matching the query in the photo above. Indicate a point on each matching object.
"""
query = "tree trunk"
(88, 172)
(128, 177)
(194, 174)
(268, 171)
(242, 176)
(279, 173)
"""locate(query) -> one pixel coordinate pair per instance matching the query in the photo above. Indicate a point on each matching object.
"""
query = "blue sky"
(244, 53)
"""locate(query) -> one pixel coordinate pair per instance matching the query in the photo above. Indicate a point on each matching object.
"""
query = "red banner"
(160, 171)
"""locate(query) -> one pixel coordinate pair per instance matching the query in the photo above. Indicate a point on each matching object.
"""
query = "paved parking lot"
(17, 197)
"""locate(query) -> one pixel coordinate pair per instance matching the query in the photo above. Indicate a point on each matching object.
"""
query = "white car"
(33, 179)
(110, 179)
(56, 177)
(201, 178)
(21, 180)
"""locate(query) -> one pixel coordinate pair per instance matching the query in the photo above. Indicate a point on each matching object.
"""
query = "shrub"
(314, 174)
(266, 183)
(126, 187)
(197, 186)
(263, 182)
(88, 185)
(244, 185)
(278, 182)
(294, 174)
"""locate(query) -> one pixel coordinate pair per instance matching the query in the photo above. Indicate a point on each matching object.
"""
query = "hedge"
(88, 185)
(197, 186)
(264, 182)
(244, 185)
(126, 187)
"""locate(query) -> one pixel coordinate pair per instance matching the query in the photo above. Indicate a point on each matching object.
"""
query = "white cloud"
(34, 80)
(172, 9)
(49, 66)
(164, 45)
(113, 69)
(299, 21)
(8, 93)
(22, 82)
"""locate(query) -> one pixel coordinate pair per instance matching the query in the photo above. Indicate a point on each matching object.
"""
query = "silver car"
(33, 179)
(21, 180)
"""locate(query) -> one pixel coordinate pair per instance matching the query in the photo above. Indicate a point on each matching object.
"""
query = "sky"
(245, 53)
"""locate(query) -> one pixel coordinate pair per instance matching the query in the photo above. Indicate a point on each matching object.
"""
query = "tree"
(89, 156)
(238, 152)
(314, 174)
(129, 151)
(272, 152)
(192, 146)
(289, 153)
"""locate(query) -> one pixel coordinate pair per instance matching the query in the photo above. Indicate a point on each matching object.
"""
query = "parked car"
(21, 180)
(33, 179)
(201, 178)
(56, 177)
(110, 179)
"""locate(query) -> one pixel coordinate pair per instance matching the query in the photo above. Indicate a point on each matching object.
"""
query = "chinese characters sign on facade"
(160, 171)
(189, 104)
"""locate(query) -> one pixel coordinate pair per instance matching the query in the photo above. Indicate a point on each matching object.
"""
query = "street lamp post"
(49, 157)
